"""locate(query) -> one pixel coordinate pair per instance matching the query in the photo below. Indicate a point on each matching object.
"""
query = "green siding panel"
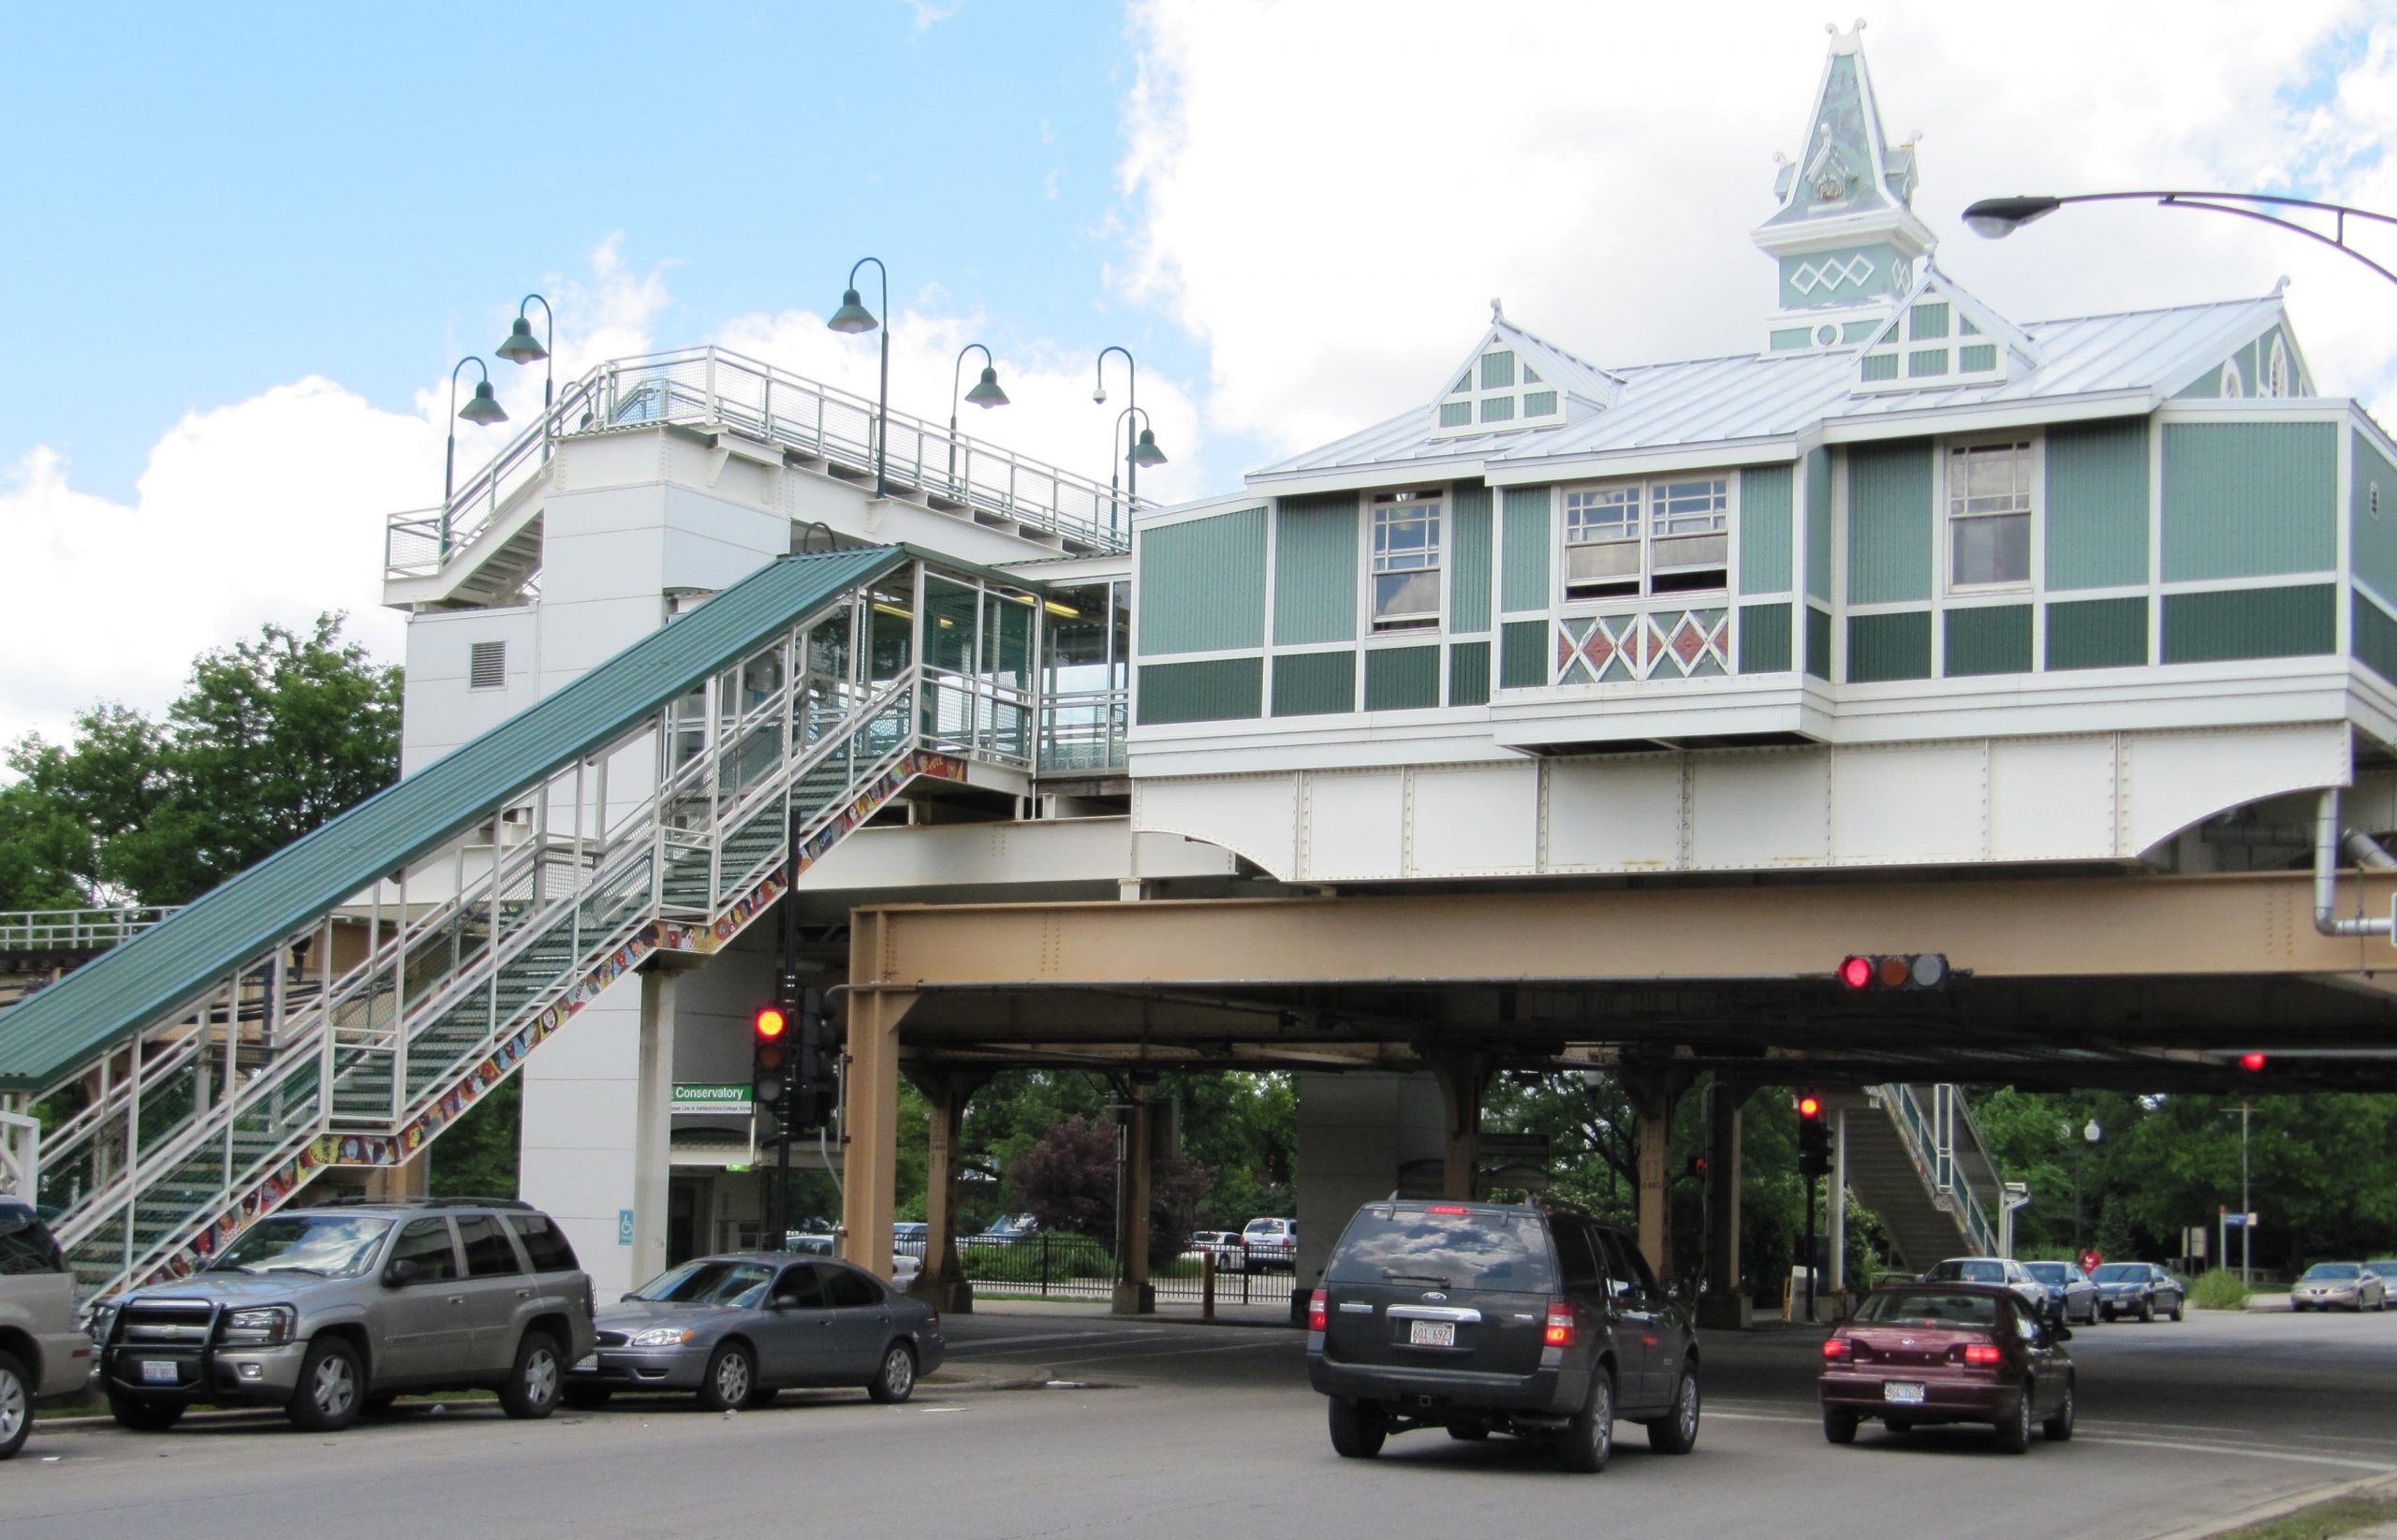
(2249, 499)
(1764, 638)
(1888, 522)
(1883, 647)
(1201, 585)
(1470, 575)
(1819, 642)
(2374, 543)
(1313, 684)
(1522, 655)
(2374, 643)
(1765, 523)
(1524, 582)
(1469, 674)
(1215, 690)
(1819, 525)
(1401, 678)
(2098, 634)
(1315, 568)
(2097, 502)
(2251, 623)
(1992, 640)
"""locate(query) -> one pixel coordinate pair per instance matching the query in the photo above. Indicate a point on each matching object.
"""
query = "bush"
(2219, 1289)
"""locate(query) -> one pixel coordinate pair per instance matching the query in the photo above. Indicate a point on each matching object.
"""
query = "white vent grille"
(487, 666)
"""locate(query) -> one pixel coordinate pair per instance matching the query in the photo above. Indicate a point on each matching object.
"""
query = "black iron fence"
(1075, 1267)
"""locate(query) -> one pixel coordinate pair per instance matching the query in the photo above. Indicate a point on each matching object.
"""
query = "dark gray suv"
(1486, 1317)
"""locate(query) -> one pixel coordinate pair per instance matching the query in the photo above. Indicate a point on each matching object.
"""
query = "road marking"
(2243, 1451)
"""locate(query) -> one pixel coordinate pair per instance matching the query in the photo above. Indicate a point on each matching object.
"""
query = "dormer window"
(1931, 342)
(1499, 391)
(1405, 573)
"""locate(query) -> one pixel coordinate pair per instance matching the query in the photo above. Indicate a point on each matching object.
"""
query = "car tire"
(1839, 1425)
(534, 1379)
(895, 1379)
(2014, 1429)
(16, 1405)
(2147, 1311)
(2058, 1428)
(144, 1415)
(1589, 1438)
(583, 1399)
(731, 1376)
(1676, 1431)
(2180, 1308)
(331, 1390)
(1358, 1430)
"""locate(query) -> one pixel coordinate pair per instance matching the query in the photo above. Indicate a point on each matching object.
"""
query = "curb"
(2280, 1508)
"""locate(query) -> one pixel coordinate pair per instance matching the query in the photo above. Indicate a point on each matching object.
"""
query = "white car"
(1271, 1243)
(1997, 1269)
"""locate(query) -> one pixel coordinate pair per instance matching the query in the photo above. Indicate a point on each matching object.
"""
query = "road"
(1178, 1430)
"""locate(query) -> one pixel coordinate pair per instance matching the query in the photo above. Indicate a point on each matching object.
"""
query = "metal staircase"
(1916, 1157)
(463, 914)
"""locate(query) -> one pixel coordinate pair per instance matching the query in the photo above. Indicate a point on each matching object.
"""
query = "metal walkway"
(1915, 1158)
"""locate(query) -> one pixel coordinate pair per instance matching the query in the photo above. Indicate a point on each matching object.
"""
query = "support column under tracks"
(943, 1285)
(1134, 1294)
(1654, 1094)
(1722, 1303)
(1461, 1079)
(869, 1123)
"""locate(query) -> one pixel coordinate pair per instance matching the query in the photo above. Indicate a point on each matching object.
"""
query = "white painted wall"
(577, 1157)
(1355, 1131)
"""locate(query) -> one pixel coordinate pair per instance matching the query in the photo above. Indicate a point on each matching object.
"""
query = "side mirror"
(400, 1271)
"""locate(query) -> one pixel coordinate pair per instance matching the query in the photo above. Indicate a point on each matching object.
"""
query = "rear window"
(1479, 1249)
(1930, 1309)
(545, 1244)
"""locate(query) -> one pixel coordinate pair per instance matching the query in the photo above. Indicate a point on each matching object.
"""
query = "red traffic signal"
(770, 1021)
(1894, 971)
(2252, 1063)
(1810, 1106)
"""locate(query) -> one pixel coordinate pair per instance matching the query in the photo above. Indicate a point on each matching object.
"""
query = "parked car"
(1487, 1318)
(2138, 1288)
(2339, 1286)
(2387, 1270)
(1009, 1228)
(909, 1237)
(332, 1311)
(1271, 1244)
(2002, 1270)
(1918, 1353)
(44, 1350)
(740, 1326)
(2071, 1296)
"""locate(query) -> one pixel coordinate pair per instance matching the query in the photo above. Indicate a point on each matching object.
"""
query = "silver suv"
(332, 1311)
(43, 1351)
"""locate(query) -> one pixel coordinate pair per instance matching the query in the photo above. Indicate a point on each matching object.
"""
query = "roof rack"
(353, 1200)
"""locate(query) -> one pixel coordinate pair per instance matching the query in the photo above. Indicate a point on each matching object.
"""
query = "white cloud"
(1328, 195)
(929, 13)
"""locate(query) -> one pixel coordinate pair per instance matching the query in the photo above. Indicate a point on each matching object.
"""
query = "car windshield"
(334, 1245)
(1470, 1249)
(1926, 1308)
(2046, 1272)
(2385, 1269)
(710, 1281)
(2120, 1272)
(2333, 1271)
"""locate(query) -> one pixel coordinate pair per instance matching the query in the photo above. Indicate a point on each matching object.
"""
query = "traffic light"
(2252, 1063)
(1861, 971)
(1813, 1138)
(770, 1057)
(815, 1089)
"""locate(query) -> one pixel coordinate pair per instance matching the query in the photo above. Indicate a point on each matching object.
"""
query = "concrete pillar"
(1461, 1077)
(1836, 1205)
(942, 1284)
(869, 1125)
(1652, 1094)
(1134, 1294)
(653, 1120)
(1722, 1304)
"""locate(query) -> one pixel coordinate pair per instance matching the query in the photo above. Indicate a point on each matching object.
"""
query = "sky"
(247, 244)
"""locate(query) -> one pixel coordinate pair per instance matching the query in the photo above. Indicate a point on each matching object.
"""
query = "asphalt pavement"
(1173, 1429)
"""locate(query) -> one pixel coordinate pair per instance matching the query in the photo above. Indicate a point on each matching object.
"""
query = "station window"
(1670, 536)
(1406, 560)
(1989, 515)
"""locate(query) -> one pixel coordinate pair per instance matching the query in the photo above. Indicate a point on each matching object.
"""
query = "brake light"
(1982, 1352)
(1559, 1330)
(1448, 1208)
(1318, 1310)
(1835, 1347)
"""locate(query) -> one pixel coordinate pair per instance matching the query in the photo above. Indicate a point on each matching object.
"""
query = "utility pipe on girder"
(2329, 838)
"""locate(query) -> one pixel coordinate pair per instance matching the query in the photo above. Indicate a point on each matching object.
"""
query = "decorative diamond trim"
(1809, 276)
(1673, 643)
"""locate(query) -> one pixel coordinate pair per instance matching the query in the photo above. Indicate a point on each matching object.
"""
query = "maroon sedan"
(1916, 1353)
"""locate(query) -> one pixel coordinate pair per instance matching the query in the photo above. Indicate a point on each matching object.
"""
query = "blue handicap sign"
(624, 1226)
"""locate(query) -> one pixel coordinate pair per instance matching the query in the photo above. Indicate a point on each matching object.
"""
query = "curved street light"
(853, 319)
(1999, 217)
(523, 347)
(481, 409)
(1137, 452)
(985, 394)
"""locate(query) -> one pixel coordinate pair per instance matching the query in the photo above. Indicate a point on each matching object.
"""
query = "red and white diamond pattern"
(1640, 646)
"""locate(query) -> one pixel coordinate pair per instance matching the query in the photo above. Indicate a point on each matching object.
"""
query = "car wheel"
(1839, 1425)
(895, 1381)
(1676, 1431)
(1358, 1430)
(2147, 1310)
(535, 1379)
(143, 1414)
(332, 1391)
(2014, 1429)
(2180, 1307)
(1589, 1438)
(2058, 1427)
(731, 1374)
(16, 1405)
(583, 1399)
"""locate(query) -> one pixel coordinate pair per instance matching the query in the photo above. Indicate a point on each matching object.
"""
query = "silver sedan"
(738, 1328)
(2339, 1286)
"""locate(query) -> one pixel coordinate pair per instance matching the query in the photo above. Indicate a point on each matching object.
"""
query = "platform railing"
(75, 930)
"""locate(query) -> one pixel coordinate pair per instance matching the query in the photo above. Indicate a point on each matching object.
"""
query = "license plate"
(1902, 1393)
(589, 1360)
(154, 1372)
(1431, 1333)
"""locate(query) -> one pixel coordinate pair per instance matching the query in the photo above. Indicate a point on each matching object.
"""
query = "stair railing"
(1928, 1131)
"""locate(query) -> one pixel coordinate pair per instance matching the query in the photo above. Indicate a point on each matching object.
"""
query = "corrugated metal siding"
(2098, 634)
(1313, 684)
(2097, 497)
(1991, 641)
(1202, 585)
(1315, 569)
(1524, 582)
(1883, 647)
(2251, 623)
(1215, 690)
(1819, 525)
(1764, 638)
(1766, 514)
(1819, 642)
(2249, 499)
(1469, 577)
(1401, 678)
(1888, 522)
(2375, 637)
(1522, 655)
(1469, 674)
(2373, 547)
(119, 992)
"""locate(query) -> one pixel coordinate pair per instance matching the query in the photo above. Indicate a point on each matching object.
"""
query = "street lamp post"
(521, 347)
(1999, 217)
(1099, 396)
(2090, 1137)
(1137, 452)
(482, 408)
(853, 318)
(985, 394)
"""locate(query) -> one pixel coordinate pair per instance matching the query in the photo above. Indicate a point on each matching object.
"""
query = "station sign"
(727, 1099)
